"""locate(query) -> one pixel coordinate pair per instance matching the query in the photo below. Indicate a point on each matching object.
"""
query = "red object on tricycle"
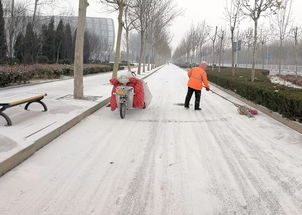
(138, 99)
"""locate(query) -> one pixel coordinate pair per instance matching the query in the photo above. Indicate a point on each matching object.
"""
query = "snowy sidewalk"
(33, 129)
(163, 160)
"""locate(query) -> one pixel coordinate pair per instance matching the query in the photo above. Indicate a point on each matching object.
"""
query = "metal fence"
(274, 69)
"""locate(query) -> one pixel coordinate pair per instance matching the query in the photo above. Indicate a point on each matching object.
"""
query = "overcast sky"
(212, 11)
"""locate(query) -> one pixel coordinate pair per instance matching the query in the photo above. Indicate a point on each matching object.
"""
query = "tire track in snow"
(139, 194)
(230, 145)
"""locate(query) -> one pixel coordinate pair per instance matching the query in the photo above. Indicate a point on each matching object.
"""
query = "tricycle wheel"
(122, 110)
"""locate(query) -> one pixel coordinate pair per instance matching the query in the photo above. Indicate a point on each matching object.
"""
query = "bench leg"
(42, 103)
(9, 122)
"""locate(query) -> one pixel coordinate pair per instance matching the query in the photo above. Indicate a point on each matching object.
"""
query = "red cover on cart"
(138, 99)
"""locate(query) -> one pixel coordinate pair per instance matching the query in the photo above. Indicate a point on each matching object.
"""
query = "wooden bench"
(28, 101)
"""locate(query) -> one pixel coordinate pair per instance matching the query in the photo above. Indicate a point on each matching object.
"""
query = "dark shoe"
(187, 107)
(197, 108)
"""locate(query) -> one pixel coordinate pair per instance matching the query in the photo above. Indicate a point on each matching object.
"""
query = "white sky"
(212, 11)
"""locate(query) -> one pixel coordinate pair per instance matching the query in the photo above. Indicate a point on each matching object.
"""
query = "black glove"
(208, 89)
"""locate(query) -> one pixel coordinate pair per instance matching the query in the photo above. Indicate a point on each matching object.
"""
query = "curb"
(289, 123)
(26, 153)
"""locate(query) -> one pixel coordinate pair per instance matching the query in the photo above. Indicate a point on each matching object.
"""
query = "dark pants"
(189, 95)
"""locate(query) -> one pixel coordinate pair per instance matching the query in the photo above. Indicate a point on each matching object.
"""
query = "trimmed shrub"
(42, 59)
(24, 74)
(284, 100)
(9, 61)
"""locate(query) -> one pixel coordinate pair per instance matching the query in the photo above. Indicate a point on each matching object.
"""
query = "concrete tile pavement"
(34, 129)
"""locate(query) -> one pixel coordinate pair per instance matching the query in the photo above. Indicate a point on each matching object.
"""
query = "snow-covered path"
(163, 160)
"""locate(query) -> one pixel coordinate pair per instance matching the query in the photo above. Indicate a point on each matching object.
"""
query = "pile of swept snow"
(278, 80)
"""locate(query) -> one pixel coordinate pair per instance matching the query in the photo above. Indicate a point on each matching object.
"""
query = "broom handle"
(237, 105)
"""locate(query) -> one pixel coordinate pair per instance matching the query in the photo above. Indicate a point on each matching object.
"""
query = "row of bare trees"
(150, 19)
(278, 30)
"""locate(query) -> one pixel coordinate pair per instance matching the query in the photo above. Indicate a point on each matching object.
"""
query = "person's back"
(197, 77)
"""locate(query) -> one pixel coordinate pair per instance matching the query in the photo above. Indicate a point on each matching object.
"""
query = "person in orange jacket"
(197, 77)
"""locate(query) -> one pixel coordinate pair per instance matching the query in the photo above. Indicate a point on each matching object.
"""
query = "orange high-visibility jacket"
(197, 76)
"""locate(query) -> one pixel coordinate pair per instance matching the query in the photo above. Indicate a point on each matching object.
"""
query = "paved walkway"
(163, 160)
(31, 126)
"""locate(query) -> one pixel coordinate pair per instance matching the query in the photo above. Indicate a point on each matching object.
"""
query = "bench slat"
(27, 100)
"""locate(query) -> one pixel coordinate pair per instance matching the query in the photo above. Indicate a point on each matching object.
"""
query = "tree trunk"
(254, 52)
(119, 40)
(11, 31)
(128, 51)
(280, 56)
(141, 53)
(149, 62)
(263, 58)
(233, 52)
(296, 55)
(144, 58)
(152, 59)
(79, 49)
(220, 50)
(187, 57)
(35, 11)
(200, 53)
(219, 60)
(213, 48)
(58, 52)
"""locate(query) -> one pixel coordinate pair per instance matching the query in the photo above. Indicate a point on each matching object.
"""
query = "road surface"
(163, 160)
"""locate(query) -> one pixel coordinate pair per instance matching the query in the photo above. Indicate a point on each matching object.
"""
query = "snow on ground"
(163, 160)
(30, 126)
(278, 80)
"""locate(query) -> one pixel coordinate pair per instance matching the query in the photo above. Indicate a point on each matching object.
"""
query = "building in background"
(101, 34)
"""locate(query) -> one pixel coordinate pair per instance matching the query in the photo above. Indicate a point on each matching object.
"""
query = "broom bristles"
(243, 110)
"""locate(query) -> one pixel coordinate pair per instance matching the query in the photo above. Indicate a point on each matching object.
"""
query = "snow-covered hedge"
(284, 100)
(23, 74)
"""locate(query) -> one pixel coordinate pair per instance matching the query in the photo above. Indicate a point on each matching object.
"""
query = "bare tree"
(233, 16)
(161, 19)
(117, 5)
(202, 35)
(190, 50)
(134, 43)
(16, 11)
(296, 33)
(39, 3)
(255, 9)
(79, 49)
(248, 41)
(264, 39)
(281, 22)
(143, 12)
(129, 20)
(213, 39)
(11, 29)
(221, 37)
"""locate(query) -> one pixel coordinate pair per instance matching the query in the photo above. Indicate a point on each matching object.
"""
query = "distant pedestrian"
(197, 78)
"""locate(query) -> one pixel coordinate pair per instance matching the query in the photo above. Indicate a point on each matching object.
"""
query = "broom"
(243, 110)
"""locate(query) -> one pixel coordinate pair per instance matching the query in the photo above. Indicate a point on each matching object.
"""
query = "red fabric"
(253, 112)
(138, 99)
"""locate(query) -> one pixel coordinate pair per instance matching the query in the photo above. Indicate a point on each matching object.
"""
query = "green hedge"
(21, 77)
(284, 100)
